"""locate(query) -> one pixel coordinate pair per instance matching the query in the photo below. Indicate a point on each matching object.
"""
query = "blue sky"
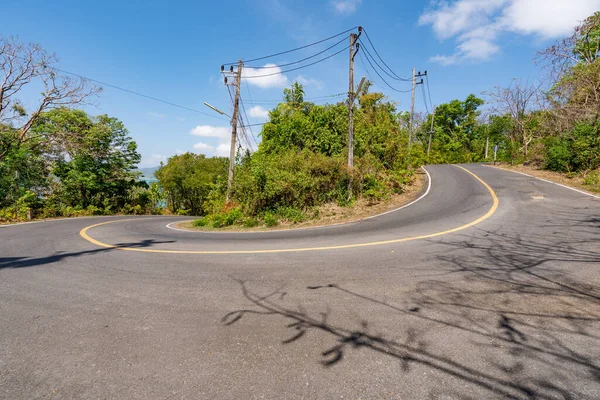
(173, 51)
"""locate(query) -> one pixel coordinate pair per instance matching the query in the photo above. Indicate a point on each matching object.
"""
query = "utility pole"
(487, 143)
(234, 118)
(351, 96)
(431, 132)
(412, 104)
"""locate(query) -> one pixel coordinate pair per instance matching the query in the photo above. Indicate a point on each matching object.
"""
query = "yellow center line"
(491, 211)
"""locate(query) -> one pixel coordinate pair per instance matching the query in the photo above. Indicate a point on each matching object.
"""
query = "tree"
(517, 100)
(94, 157)
(187, 180)
(21, 65)
(575, 67)
(455, 131)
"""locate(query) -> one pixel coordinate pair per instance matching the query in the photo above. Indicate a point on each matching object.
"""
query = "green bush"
(250, 222)
(93, 210)
(270, 219)
(592, 179)
(226, 218)
(200, 222)
(575, 150)
(292, 215)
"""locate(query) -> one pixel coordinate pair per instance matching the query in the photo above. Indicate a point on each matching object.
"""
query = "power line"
(248, 121)
(136, 93)
(425, 98)
(296, 49)
(380, 67)
(376, 52)
(306, 99)
(384, 81)
(429, 92)
(299, 61)
(294, 69)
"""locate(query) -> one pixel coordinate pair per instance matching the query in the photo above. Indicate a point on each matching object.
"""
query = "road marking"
(309, 227)
(491, 211)
(546, 180)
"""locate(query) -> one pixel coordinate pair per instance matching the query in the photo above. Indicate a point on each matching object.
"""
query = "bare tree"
(24, 64)
(574, 68)
(518, 100)
(581, 47)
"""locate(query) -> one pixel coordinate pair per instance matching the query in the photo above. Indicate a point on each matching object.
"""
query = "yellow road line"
(491, 211)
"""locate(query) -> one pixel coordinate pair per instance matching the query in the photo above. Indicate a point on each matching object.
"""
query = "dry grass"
(332, 214)
(575, 181)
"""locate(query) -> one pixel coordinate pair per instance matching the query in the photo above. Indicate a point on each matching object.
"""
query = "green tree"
(187, 180)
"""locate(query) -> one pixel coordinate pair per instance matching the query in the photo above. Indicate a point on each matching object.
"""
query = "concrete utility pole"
(431, 132)
(412, 104)
(487, 143)
(351, 97)
(234, 118)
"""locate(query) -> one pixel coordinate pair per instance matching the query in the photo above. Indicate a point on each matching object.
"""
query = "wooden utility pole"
(234, 118)
(351, 97)
(412, 109)
(431, 132)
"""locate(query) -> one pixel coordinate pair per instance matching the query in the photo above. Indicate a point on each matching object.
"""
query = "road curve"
(433, 215)
(485, 288)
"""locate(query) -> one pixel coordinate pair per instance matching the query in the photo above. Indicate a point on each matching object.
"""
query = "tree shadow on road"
(519, 318)
(21, 262)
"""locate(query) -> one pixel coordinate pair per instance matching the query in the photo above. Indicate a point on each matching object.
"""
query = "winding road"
(487, 287)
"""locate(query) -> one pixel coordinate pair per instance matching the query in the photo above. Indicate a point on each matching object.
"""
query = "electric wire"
(294, 69)
(384, 81)
(296, 49)
(248, 125)
(299, 61)
(425, 98)
(380, 67)
(429, 93)
(306, 99)
(376, 52)
(135, 93)
(251, 103)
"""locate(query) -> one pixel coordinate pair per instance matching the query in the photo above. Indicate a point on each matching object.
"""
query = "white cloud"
(274, 78)
(153, 160)
(258, 112)
(223, 149)
(477, 24)
(211, 131)
(203, 147)
(223, 136)
(155, 114)
(548, 18)
(309, 82)
(345, 6)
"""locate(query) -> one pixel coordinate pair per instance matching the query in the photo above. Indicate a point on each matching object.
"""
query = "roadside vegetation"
(56, 160)
(300, 165)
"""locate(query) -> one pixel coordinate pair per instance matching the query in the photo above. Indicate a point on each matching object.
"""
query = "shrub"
(292, 215)
(592, 179)
(270, 219)
(250, 222)
(200, 222)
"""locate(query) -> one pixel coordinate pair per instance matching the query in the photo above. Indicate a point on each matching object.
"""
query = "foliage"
(301, 162)
(85, 169)
(188, 179)
(575, 150)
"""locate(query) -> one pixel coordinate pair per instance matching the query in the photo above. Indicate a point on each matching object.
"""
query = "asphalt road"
(453, 297)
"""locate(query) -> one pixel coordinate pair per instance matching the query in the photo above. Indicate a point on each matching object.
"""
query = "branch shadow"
(528, 323)
(22, 262)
